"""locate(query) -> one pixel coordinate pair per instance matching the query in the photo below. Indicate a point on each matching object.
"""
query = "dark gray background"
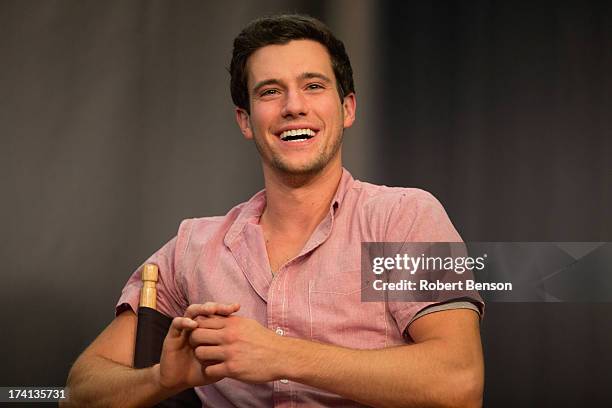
(116, 123)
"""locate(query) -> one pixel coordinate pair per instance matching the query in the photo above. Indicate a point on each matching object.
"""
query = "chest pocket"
(338, 316)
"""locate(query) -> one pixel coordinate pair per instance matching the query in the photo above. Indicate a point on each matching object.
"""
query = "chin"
(299, 169)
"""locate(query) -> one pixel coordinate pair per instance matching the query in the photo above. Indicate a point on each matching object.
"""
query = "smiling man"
(266, 299)
(294, 114)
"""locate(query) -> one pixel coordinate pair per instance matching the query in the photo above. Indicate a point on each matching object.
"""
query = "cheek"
(331, 109)
(262, 115)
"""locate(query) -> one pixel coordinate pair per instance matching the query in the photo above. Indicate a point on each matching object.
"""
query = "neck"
(297, 204)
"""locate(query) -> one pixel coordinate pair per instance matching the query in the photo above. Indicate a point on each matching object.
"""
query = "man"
(268, 296)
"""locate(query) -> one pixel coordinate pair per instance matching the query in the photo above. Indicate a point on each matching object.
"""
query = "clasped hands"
(209, 343)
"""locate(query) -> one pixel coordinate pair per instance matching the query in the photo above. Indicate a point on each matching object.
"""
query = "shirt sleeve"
(171, 299)
(440, 307)
(419, 217)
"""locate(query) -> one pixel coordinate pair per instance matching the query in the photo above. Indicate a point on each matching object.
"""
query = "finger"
(228, 309)
(224, 309)
(208, 337)
(211, 308)
(208, 354)
(210, 322)
(215, 370)
(180, 324)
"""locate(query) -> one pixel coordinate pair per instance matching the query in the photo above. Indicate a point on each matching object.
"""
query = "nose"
(295, 105)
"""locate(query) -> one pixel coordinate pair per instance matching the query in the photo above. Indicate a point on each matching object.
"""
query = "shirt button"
(284, 381)
(279, 331)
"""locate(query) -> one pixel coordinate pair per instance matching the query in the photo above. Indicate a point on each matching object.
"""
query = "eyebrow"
(305, 75)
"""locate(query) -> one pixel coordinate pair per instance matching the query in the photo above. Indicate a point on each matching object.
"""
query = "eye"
(314, 86)
(269, 92)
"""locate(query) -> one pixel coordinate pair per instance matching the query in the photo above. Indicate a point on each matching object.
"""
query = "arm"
(443, 368)
(103, 375)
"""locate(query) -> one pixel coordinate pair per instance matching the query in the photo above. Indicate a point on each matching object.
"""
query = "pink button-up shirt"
(314, 296)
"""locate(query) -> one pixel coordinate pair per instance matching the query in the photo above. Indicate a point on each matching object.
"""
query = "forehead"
(288, 61)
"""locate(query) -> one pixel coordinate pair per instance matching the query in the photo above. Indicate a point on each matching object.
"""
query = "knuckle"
(230, 353)
(229, 336)
(233, 368)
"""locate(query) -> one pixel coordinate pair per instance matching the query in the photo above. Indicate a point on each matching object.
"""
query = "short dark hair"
(280, 29)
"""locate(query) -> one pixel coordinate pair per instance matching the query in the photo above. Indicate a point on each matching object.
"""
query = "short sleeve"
(419, 217)
(171, 300)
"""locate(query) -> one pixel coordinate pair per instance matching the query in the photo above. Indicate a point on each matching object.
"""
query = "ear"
(349, 107)
(242, 118)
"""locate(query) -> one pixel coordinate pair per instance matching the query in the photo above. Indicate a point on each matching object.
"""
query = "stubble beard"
(277, 162)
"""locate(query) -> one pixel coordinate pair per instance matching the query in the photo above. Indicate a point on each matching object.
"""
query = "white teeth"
(296, 132)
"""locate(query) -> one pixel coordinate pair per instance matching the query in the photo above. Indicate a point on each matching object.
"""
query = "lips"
(297, 135)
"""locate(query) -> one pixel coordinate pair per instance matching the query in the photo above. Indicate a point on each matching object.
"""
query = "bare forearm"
(98, 382)
(419, 375)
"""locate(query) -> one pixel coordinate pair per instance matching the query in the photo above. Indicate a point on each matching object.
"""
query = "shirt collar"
(346, 182)
(252, 210)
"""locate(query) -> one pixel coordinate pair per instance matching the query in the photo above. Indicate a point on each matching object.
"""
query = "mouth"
(297, 135)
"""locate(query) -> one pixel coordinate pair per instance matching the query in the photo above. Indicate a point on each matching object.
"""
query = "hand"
(179, 368)
(211, 308)
(238, 348)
